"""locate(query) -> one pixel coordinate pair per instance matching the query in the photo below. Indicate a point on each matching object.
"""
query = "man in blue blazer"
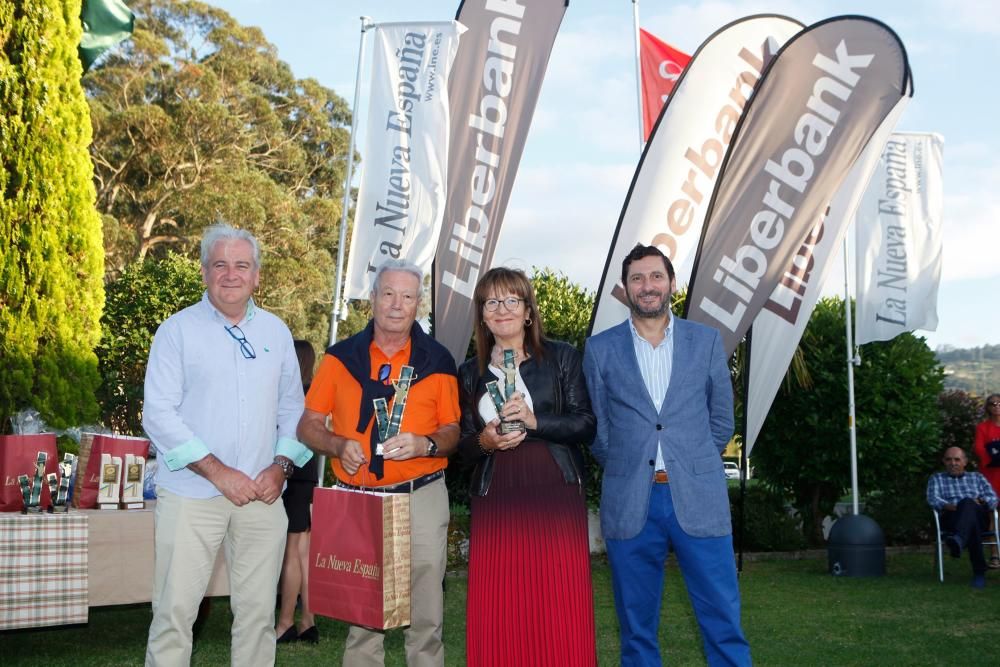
(663, 399)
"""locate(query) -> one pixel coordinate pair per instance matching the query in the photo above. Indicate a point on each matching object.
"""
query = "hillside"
(975, 370)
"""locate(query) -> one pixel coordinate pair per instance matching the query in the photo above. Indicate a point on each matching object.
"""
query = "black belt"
(404, 487)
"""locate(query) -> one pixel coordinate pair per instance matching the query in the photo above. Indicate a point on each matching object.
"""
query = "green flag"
(105, 23)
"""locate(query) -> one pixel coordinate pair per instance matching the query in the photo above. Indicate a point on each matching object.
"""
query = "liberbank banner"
(780, 324)
(401, 194)
(494, 86)
(815, 109)
(673, 183)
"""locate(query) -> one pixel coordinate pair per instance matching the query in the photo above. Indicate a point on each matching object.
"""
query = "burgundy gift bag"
(18, 455)
(359, 557)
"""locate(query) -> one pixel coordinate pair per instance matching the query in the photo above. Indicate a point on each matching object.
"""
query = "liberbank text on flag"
(495, 84)
(814, 111)
(675, 178)
(779, 326)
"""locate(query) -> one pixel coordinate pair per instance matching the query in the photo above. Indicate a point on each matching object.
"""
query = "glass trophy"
(388, 422)
(501, 397)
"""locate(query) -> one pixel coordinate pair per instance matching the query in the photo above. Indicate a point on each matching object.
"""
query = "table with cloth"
(54, 566)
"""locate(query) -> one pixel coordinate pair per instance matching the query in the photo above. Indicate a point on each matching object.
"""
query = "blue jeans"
(709, 572)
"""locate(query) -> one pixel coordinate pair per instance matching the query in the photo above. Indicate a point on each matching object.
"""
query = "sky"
(583, 145)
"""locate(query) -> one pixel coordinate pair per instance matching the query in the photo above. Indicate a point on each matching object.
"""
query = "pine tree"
(51, 251)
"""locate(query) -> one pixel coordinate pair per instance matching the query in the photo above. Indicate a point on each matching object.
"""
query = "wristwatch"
(287, 467)
(432, 447)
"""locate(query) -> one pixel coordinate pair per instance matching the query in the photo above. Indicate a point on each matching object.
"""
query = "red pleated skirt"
(530, 600)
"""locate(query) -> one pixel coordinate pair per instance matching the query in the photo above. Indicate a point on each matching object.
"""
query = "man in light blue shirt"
(222, 400)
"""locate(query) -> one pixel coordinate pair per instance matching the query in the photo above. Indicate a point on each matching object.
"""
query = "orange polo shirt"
(431, 403)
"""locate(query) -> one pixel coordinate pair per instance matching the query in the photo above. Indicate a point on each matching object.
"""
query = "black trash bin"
(856, 547)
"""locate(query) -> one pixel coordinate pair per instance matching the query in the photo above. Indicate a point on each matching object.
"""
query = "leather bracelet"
(479, 441)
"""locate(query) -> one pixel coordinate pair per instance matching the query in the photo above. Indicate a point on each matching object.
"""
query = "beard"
(649, 313)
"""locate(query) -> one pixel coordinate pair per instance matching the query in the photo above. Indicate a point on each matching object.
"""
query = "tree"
(51, 261)
(803, 447)
(564, 307)
(196, 120)
(138, 300)
(960, 412)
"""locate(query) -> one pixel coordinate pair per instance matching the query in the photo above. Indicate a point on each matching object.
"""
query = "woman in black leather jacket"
(529, 599)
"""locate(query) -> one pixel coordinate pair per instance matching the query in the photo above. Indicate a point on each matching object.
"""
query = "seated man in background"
(964, 500)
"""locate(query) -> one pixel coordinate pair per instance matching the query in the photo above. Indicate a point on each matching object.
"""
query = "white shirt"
(655, 365)
(487, 410)
(202, 396)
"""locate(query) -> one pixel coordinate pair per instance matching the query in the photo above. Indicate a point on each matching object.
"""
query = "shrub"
(769, 524)
(960, 412)
(903, 514)
(145, 294)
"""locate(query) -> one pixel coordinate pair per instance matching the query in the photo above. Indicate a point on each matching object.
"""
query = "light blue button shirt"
(655, 365)
(202, 396)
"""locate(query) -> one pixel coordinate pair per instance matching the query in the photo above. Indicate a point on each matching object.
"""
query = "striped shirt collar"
(668, 332)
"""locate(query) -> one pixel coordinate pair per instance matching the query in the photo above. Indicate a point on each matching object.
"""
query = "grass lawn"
(794, 614)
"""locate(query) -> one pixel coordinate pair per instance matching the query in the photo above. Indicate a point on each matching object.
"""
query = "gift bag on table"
(359, 557)
(88, 467)
(18, 456)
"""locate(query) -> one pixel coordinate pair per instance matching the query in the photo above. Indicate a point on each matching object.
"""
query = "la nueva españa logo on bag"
(331, 562)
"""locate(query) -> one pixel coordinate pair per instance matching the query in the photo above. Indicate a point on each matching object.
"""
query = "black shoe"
(954, 546)
(289, 635)
(310, 634)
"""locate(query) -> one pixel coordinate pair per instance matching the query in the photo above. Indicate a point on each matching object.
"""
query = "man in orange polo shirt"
(352, 374)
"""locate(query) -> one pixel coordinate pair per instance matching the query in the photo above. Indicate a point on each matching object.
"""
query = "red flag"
(661, 64)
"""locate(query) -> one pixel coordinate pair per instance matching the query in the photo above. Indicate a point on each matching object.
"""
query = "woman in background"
(529, 597)
(298, 501)
(987, 449)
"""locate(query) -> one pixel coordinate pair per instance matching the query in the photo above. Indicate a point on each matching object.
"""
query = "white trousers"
(188, 533)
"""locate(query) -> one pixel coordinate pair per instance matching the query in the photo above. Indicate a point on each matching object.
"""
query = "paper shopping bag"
(359, 557)
(18, 456)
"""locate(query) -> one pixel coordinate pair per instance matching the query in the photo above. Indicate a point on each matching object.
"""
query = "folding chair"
(991, 538)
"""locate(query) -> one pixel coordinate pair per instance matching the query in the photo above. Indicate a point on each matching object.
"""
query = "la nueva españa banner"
(899, 240)
(403, 178)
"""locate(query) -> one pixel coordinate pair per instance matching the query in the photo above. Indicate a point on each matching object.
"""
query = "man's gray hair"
(223, 232)
(398, 265)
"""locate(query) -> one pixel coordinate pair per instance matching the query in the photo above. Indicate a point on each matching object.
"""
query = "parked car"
(732, 470)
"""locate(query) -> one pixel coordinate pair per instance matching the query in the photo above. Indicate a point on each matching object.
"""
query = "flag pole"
(744, 456)
(338, 306)
(852, 361)
(638, 73)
